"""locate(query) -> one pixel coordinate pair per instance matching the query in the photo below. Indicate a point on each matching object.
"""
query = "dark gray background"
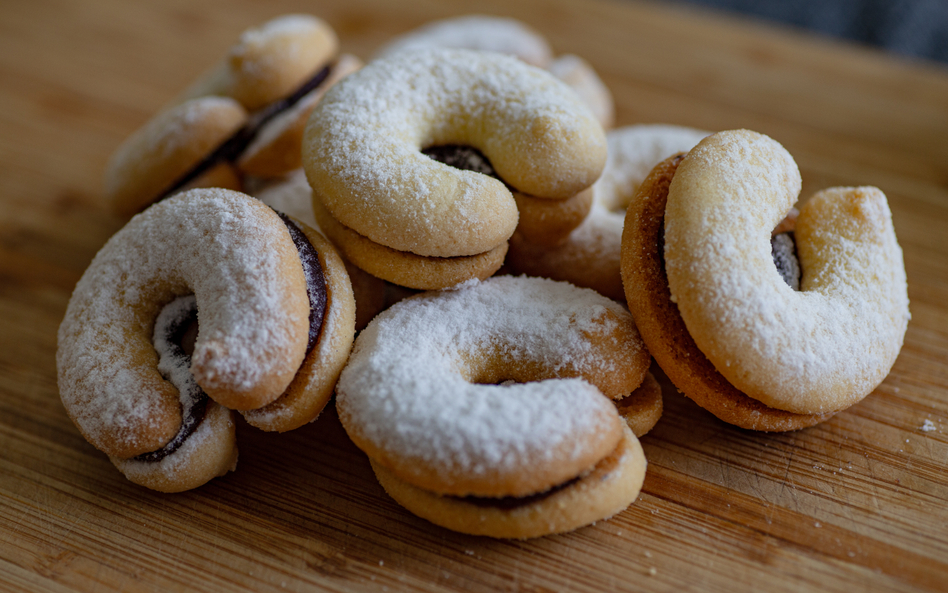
(917, 28)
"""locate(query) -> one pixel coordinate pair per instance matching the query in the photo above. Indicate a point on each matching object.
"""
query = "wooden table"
(857, 503)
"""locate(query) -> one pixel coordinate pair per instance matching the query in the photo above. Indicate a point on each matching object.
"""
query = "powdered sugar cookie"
(246, 116)
(661, 326)
(276, 324)
(540, 140)
(828, 345)
(822, 348)
(504, 393)
(363, 149)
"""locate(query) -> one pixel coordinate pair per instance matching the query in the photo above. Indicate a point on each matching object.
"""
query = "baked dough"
(404, 268)
(605, 491)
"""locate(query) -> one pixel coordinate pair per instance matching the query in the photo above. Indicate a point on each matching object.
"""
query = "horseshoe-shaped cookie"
(275, 320)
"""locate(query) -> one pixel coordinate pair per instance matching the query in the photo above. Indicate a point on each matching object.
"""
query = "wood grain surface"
(855, 504)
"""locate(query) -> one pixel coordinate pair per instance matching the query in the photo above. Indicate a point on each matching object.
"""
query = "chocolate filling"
(315, 279)
(174, 335)
(783, 250)
(232, 148)
(174, 364)
(459, 156)
(507, 503)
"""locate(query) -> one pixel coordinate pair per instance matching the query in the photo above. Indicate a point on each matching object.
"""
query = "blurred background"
(917, 28)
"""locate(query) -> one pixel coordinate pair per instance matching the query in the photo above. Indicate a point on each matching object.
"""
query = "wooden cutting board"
(857, 503)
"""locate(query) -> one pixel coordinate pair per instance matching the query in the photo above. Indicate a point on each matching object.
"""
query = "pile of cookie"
(452, 239)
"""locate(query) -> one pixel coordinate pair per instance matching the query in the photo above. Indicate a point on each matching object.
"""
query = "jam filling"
(176, 329)
(232, 148)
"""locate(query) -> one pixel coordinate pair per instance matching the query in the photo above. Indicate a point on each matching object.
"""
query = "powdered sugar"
(171, 364)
